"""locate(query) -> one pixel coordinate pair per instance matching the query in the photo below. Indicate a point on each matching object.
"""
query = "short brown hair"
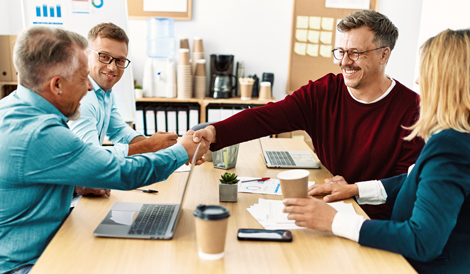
(385, 32)
(110, 31)
(43, 52)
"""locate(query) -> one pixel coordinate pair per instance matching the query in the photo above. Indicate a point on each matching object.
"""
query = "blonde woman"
(430, 222)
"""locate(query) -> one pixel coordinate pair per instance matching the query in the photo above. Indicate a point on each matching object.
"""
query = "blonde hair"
(444, 84)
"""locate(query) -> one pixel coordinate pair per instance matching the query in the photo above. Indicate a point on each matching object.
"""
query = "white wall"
(435, 19)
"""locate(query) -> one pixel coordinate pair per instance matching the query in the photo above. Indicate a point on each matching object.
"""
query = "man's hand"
(157, 141)
(310, 212)
(92, 191)
(336, 191)
(336, 180)
(187, 142)
(208, 133)
(161, 140)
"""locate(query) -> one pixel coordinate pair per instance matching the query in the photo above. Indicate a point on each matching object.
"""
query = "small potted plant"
(228, 187)
(138, 91)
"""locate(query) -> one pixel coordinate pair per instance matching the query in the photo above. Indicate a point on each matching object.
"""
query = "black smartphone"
(248, 234)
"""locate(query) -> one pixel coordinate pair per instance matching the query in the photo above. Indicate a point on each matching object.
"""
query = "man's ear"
(55, 84)
(385, 56)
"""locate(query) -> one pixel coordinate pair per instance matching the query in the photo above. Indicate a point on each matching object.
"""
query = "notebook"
(288, 159)
(144, 221)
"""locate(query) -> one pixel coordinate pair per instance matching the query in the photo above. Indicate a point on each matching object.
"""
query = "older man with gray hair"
(43, 160)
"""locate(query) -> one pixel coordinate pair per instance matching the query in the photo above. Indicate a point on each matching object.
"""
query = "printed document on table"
(269, 213)
(271, 186)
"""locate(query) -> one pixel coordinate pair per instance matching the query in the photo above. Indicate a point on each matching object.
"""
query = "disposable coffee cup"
(184, 43)
(265, 91)
(198, 45)
(211, 230)
(184, 57)
(294, 183)
(246, 88)
(200, 69)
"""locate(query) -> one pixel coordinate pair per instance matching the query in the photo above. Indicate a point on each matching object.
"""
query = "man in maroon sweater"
(355, 118)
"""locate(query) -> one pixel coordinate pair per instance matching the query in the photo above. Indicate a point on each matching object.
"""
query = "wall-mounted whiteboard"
(80, 16)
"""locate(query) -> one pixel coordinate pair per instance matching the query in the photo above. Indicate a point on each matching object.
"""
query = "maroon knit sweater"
(357, 141)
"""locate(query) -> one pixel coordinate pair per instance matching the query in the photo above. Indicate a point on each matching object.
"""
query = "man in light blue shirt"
(43, 160)
(107, 60)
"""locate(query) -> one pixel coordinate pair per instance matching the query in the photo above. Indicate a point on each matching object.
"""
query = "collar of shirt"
(97, 89)
(39, 102)
(392, 85)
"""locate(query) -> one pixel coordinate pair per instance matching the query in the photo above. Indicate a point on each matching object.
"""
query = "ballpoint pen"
(147, 190)
(259, 180)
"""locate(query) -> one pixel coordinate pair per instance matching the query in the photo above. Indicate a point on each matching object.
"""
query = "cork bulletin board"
(313, 36)
(136, 11)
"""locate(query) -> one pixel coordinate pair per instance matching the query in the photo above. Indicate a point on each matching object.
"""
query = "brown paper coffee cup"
(198, 45)
(183, 57)
(265, 91)
(184, 43)
(200, 69)
(246, 88)
(294, 183)
(211, 230)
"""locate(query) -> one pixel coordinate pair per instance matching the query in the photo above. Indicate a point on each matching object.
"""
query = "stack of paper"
(269, 213)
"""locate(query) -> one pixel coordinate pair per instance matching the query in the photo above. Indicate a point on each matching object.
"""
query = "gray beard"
(74, 116)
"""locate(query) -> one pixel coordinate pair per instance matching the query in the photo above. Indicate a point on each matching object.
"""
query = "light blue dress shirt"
(99, 117)
(41, 162)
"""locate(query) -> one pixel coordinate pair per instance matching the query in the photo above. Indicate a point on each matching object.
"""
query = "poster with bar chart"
(80, 16)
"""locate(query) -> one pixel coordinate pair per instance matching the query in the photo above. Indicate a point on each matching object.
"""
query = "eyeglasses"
(353, 54)
(108, 59)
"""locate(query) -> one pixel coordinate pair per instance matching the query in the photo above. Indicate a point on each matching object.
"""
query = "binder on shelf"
(171, 120)
(225, 112)
(193, 116)
(160, 113)
(182, 120)
(139, 120)
(213, 114)
(149, 121)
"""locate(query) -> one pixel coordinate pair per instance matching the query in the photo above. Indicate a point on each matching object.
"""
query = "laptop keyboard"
(280, 158)
(152, 220)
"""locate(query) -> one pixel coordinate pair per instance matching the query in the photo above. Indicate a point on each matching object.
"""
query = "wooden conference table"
(74, 249)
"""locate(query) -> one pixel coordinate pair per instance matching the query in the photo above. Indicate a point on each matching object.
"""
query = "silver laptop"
(144, 221)
(288, 159)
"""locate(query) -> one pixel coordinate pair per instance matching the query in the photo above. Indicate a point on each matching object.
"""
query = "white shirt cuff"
(371, 192)
(347, 225)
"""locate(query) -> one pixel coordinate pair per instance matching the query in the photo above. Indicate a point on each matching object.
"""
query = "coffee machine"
(223, 83)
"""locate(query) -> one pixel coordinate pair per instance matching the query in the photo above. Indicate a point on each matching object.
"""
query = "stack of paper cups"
(198, 51)
(184, 76)
(200, 79)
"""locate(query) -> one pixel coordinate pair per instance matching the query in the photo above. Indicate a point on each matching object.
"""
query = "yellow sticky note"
(326, 37)
(313, 36)
(314, 22)
(301, 35)
(312, 50)
(302, 22)
(300, 48)
(327, 23)
(325, 51)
